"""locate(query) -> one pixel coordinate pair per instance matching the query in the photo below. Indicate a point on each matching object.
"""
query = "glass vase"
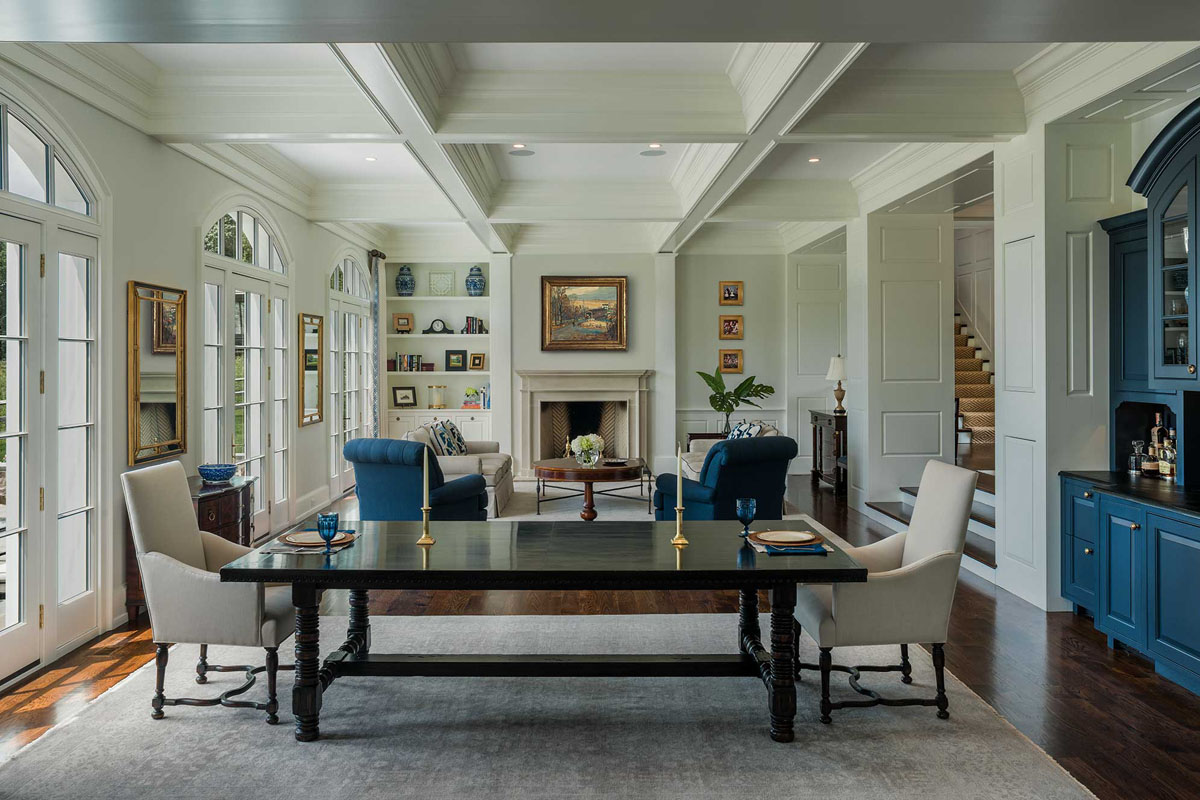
(587, 458)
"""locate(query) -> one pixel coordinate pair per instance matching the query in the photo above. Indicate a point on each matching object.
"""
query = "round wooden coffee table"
(568, 470)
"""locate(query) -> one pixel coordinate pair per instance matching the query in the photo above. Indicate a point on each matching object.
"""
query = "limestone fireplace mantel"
(539, 386)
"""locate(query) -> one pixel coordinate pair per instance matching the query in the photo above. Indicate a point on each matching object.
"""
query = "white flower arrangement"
(587, 443)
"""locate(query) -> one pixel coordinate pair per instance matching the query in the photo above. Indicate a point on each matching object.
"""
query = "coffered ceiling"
(759, 144)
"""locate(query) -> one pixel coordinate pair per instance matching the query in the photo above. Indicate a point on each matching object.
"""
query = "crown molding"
(721, 239)
(388, 202)
(260, 170)
(761, 71)
(603, 237)
(908, 168)
(362, 235)
(477, 169)
(786, 200)
(697, 168)
(433, 243)
(805, 238)
(428, 70)
(1065, 77)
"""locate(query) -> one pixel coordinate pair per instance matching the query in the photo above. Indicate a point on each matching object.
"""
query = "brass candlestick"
(425, 539)
(679, 540)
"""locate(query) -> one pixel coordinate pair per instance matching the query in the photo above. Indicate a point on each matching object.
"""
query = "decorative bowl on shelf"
(216, 473)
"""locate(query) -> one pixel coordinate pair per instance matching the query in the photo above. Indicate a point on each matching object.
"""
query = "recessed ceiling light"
(655, 150)
(370, 158)
(655, 145)
(518, 147)
(814, 160)
(520, 150)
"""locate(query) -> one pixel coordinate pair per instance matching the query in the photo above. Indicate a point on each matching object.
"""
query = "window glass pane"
(212, 377)
(12, 563)
(26, 158)
(73, 556)
(212, 436)
(12, 289)
(262, 245)
(73, 293)
(212, 313)
(72, 469)
(246, 237)
(73, 381)
(228, 236)
(66, 192)
(212, 239)
(276, 259)
(280, 464)
(12, 513)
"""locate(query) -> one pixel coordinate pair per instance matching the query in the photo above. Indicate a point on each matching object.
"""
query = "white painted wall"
(974, 283)
(697, 313)
(816, 322)
(161, 202)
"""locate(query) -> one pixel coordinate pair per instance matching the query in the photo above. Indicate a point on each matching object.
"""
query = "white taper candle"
(678, 475)
(425, 472)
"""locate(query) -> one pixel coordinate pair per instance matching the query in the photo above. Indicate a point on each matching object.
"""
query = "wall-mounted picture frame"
(584, 313)
(402, 323)
(166, 328)
(404, 397)
(731, 326)
(731, 293)
(456, 361)
(441, 284)
(478, 361)
(729, 361)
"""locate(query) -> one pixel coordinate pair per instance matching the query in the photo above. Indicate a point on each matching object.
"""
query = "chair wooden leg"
(160, 662)
(939, 671)
(202, 665)
(272, 706)
(905, 665)
(826, 663)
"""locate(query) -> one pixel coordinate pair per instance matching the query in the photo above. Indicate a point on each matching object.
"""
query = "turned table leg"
(748, 630)
(306, 692)
(781, 690)
(589, 503)
(359, 629)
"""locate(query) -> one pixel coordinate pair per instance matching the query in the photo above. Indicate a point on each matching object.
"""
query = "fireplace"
(612, 403)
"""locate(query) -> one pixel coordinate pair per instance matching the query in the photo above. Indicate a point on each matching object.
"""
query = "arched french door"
(350, 330)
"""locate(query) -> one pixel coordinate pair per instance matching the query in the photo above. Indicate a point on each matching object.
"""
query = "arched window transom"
(243, 237)
(32, 166)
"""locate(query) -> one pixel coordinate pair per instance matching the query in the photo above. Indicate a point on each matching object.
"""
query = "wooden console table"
(226, 509)
(829, 450)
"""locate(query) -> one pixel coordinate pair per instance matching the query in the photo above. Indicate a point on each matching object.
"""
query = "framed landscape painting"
(583, 313)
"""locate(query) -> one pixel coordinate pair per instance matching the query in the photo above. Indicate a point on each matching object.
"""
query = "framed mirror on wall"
(157, 372)
(312, 369)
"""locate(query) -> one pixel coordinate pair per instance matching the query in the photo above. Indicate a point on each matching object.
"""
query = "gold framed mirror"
(312, 369)
(156, 359)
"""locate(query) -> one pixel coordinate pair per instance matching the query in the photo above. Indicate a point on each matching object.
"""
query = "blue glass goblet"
(327, 529)
(746, 508)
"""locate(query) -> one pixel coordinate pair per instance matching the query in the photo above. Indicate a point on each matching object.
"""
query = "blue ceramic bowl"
(217, 473)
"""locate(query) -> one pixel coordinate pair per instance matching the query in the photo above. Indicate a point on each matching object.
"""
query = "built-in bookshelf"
(453, 309)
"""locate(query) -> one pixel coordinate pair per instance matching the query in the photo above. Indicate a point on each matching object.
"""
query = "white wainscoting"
(1019, 317)
(974, 276)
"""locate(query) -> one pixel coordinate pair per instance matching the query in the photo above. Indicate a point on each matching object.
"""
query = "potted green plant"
(726, 401)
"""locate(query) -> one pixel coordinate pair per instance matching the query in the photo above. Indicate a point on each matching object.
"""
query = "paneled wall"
(816, 307)
(974, 281)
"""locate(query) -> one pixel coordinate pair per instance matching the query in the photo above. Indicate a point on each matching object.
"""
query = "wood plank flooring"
(1104, 715)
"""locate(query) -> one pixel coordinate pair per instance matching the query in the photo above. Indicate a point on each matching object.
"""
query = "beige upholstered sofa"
(693, 459)
(482, 458)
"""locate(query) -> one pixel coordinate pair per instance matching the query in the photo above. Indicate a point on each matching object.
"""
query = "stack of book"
(408, 363)
(474, 325)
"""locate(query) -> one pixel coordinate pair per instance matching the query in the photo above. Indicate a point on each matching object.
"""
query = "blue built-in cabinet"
(1134, 564)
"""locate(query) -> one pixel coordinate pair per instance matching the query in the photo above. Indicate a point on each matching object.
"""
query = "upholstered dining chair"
(185, 598)
(911, 578)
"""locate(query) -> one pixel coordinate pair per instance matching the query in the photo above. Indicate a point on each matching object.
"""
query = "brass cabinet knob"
(1134, 526)
(1087, 495)
(1191, 369)
(1087, 551)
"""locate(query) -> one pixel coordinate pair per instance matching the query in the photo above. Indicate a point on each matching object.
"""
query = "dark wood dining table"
(602, 555)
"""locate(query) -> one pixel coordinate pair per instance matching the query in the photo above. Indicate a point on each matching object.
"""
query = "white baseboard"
(800, 465)
(308, 503)
(982, 570)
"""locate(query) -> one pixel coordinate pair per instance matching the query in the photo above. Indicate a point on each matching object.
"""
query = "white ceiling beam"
(390, 78)
(916, 106)
(824, 65)
(585, 201)
(612, 21)
(789, 200)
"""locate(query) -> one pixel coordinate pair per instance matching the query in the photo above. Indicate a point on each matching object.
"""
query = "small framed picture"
(404, 396)
(729, 360)
(441, 284)
(477, 360)
(402, 323)
(731, 292)
(731, 326)
(456, 361)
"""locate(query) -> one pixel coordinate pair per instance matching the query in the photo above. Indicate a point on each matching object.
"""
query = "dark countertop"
(1168, 495)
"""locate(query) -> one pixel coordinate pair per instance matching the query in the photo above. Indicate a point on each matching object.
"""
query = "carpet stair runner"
(973, 388)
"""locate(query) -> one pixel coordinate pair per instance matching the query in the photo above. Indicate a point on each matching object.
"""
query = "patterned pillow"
(745, 430)
(448, 441)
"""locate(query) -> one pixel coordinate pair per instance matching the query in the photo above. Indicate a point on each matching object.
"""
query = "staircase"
(973, 391)
(980, 546)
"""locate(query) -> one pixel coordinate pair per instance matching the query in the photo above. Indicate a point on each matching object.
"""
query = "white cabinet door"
(400, 424)
(474, 427)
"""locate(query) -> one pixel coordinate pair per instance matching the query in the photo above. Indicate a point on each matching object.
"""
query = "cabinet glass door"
(1174, 244)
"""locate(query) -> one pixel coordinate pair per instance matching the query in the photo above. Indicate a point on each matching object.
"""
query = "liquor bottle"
(1156, 434)
(1166, 460)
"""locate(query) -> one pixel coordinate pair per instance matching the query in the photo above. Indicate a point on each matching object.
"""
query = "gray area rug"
(531, 738)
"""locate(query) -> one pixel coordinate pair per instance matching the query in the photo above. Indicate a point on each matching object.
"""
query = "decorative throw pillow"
(745, 430)
(449, 441)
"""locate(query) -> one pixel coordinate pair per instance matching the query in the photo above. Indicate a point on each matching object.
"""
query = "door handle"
(1087, 551)
(1133, 526)
(1087, 495)
(1191, 369)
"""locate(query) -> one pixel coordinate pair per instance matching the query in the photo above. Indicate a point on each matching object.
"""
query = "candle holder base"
(679, 540)
(425, 539)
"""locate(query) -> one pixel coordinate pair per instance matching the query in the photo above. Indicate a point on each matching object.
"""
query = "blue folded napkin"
(801, 550)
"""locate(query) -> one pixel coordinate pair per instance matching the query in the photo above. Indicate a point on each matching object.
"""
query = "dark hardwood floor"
(1104, 715)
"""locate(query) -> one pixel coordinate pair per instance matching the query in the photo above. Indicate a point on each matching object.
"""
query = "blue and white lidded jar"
(476, 282)
(406, 284)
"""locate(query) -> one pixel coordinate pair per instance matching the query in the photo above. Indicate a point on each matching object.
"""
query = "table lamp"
(837, 372)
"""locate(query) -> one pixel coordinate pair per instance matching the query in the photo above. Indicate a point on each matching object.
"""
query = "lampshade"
(837, 369)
